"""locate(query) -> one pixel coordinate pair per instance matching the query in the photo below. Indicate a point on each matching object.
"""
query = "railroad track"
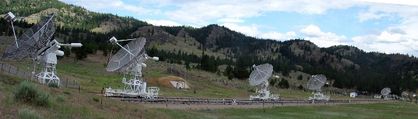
(229, 101)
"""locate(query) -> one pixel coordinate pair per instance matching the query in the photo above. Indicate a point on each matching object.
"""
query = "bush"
(60, 98)
(95, 99)
(42, 99)
(53, 85)
(300, 87)
(29, 93)
(28, 114)
(67, 93)
(284, 84)
(300, 77)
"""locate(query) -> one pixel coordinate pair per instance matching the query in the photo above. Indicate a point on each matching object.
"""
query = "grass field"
(69, 103)
(399, 110)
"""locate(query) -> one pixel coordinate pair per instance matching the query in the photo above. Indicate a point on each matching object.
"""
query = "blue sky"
(373, 25)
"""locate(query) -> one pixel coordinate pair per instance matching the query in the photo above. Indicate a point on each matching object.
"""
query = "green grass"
(91, 76)
(398, 110)
(28, 114)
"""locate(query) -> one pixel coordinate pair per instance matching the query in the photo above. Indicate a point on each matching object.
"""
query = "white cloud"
(163, 22)
(253, 30)
(111, 5)
(230, 20)
(201, 12)
(365, 16)
(279, 36)
(321, 38)
(387, 42)
(395, 2)
(397, 38)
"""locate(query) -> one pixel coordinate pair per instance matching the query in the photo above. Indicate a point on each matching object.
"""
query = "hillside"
(68, 16)
(220, 50)
(347, 66)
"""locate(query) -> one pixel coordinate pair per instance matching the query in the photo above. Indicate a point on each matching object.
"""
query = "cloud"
(163, 22)
(278, 35)
(387, 42)
(397, 38)
(321, 38)
(201, 12)
(106, 6)
(393, 2)
(253, 30)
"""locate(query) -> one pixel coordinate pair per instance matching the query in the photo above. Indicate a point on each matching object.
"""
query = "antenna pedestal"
(263, 93)
(134, 87)
(319, 96)
(48, 76)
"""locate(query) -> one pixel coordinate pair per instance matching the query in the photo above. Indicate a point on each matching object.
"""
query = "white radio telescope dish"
(32, 40)
(123, 57)
(260, 74)
(316, 82)
(385, 91)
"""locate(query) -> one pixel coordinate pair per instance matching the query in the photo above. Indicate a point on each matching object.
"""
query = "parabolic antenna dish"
(124, 58)
(316, 82)
(32, 40)
(260, 74)
(385, 91)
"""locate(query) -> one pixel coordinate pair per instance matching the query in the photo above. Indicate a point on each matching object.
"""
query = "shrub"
(95, 99)
(67, 93)
(26, 92)
(284, 84)
(29, 93)
(300, 87)
(60, 98)
(53, 85)
(300, 77)
(42, 99)
(28, 114)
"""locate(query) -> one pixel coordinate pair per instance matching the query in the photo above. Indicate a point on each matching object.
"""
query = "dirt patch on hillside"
(165, 81)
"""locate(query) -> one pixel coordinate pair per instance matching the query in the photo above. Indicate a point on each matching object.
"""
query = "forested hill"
(220, 50)
(68, 16)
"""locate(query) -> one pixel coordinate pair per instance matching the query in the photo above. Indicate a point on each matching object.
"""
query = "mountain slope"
(346, 66)
(68, 16)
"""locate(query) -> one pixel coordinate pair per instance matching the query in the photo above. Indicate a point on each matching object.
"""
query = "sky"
(388, 26)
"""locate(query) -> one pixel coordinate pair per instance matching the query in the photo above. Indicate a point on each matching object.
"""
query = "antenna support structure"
(48, 60)
(10, 17)
(36, 44)
(129, 60)
(259, 78)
